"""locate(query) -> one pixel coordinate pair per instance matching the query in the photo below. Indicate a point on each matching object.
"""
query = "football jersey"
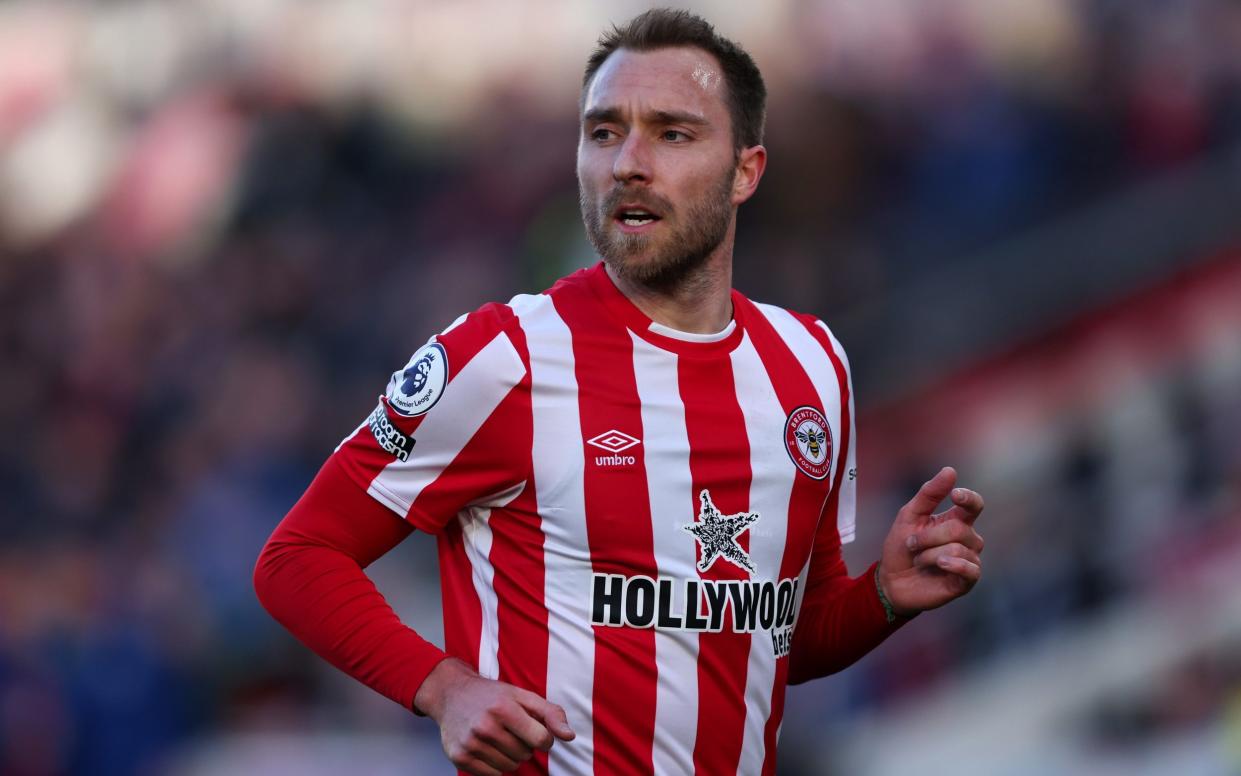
(626, 514)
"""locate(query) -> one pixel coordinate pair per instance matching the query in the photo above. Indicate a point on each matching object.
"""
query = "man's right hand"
(488, 727)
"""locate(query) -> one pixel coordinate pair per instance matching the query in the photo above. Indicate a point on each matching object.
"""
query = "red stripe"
(517, 558)
(463, 621)
(794, 389)
(719, 462)
(618, 528)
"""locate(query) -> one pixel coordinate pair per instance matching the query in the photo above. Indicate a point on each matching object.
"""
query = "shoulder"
(534, 320)
(806, 334)
(495, 334)
(479, 351)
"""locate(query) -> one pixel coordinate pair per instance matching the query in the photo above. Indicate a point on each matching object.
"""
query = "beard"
(666, 261)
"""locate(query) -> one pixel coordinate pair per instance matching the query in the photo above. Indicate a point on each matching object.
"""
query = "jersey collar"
(680, 342)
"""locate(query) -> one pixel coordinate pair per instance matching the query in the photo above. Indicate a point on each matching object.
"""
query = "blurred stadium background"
(223, 223)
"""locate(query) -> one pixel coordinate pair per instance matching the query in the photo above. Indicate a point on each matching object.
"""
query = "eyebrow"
(602, 115)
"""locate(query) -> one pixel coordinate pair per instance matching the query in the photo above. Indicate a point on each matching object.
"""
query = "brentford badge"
(809, 441)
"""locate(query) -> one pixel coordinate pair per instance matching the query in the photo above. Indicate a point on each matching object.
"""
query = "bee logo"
(812, 440)
(808, 438)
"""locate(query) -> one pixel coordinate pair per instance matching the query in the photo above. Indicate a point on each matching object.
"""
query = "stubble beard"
(693, 237)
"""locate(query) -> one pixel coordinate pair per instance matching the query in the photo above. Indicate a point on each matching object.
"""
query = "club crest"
(809, 441)
(416, 388)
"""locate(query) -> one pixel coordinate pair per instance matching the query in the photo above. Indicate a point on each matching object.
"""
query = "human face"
(656, 164)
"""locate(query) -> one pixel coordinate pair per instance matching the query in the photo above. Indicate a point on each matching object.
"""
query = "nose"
(633, 161)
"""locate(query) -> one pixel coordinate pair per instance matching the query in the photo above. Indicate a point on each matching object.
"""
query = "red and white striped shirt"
(631, 519)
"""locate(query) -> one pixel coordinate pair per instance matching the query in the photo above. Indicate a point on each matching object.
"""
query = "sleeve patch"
(415, 389)
(389, 437)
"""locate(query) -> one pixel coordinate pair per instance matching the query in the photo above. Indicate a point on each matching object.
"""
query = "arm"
(927, 561)
(428, 450)
(309, 578)
(841, 619)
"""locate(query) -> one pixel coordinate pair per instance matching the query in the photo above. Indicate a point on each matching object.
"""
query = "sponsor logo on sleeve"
(389, 437)
(416, 388)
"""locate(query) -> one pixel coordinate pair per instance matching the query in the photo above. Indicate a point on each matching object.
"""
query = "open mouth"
(635, 217)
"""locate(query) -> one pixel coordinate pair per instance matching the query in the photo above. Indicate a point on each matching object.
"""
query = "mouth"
(635, 218)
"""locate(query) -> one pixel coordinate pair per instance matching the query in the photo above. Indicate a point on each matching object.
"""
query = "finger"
(944, 532)
(558, 721)
(967, 570)
(530, 731)
(552, 716)
(493, 757)
(477, 767)
(967, 505)
(932, 492)
(509, 744)
(929, 558)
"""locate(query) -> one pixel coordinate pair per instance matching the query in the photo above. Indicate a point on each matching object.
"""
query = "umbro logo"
(614, 442)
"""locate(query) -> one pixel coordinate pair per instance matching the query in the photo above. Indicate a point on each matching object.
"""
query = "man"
(640, 480)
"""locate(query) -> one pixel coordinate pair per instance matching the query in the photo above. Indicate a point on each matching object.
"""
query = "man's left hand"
(930, 559)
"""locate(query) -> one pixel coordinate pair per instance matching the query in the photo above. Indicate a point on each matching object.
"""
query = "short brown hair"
(661, 28)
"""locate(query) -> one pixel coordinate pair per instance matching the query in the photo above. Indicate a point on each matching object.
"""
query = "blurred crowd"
(222, 225)
(1109, 456)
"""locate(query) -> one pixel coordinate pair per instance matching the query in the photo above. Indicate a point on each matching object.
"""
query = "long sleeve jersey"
(640, 524)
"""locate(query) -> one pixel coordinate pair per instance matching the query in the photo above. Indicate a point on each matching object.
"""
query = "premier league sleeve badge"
(416, 388)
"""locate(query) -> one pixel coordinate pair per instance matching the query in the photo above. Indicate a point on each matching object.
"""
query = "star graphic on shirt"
(717, 534)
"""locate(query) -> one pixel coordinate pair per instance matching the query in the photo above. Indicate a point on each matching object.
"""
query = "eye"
(601, 134)
(675, 136)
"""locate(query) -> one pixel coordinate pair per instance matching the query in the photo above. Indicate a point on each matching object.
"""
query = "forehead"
(683, 78)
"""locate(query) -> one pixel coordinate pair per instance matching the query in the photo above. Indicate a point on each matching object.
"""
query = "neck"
(701, 303)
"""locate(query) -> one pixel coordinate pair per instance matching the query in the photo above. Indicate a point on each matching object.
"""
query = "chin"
(653, 271)
(634, 266)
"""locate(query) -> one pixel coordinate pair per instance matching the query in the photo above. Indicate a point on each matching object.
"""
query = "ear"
(750, 166)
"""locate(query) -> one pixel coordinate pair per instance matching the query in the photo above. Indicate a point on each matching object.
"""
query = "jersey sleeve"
(309, 577)
(452, 428)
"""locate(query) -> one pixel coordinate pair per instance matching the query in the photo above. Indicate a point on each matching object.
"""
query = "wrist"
(435, 689)
(892, 612)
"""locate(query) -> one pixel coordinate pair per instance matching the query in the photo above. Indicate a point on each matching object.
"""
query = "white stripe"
(476, 532)
(846, 517)
(468, 400)
(666, 453)
(771, 489)
(818, 366)
(558, 460)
